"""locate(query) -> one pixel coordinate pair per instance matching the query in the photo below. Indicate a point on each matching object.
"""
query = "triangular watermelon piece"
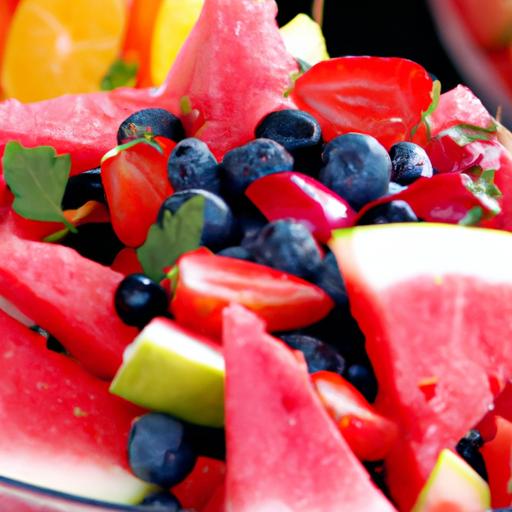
(435, 303)
(69, 296)
(284, 453)
(234, 69)
(60, 427)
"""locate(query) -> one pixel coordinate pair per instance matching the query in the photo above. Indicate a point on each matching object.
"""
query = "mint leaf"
(37, 177)
(464, 134)
(486, 191)
(473, 217)
(425, 116)
(120, 74)
(178, 234)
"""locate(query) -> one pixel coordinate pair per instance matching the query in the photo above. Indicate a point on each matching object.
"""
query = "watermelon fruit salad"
(261, 287)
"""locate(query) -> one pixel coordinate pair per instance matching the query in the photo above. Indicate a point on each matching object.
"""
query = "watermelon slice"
(234, 69)
(432, 300)
(61, 429)
(284, 454)
(69, 296)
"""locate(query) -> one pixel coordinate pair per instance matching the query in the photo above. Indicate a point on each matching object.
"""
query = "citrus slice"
(57, 46)
(304, 39)
(174, 22)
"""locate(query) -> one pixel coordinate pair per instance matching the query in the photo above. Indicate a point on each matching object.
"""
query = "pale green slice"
(453, 483)
(169, 371)
(304, 39)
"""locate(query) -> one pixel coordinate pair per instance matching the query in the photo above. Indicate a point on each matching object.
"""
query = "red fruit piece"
(196, 491)
(69, 296)
(383, 97)
(208, 283)
(284, 453)
(297, 196)
(442, 198)
(136, 184)
(459, 106)
(369, 434)
(126, 262)
(497, 455)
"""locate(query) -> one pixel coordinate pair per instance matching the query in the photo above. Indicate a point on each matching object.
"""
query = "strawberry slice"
(134, 177)
(383, 97)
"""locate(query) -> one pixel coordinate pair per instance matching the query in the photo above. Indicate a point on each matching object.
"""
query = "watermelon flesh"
(233, 68)
(432, 301)
(69, 296)
(284, 453)
(60, 427)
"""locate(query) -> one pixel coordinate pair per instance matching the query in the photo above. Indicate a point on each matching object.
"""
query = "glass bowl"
(20, 497)
(488, 74)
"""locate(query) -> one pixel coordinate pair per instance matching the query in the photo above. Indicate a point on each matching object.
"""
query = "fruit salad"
(264, 286)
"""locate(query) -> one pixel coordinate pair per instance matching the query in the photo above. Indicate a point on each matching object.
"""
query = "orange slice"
(60, 46)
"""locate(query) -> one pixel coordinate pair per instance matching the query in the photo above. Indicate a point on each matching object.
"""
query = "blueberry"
(158, 121)
(298, 132)
(219, 223)
(158, 450)
(409, 161)
(288, 246)
(95, 241)
(83, 187)
(192, 165)
(260, 157)
(161, 501)
(357, 167)
(387, 213)
(329, 279)
(363, 379)
(318, 355)
(238, 252)
(469, 449)
(138, 300)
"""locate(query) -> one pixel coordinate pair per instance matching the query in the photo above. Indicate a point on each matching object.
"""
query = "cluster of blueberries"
(357, 167)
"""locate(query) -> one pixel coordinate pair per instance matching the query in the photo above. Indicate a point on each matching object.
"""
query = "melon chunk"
(435, 303)
(284, 453)
(60, 427)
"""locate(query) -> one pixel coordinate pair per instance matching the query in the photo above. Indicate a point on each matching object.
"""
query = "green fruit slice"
(304, 39)
(167, 369)
(453, 485)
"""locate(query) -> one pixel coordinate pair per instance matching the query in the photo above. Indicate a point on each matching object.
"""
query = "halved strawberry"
(383, 97)
(135, 180)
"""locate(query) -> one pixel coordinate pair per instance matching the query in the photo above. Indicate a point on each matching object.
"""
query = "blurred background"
(402, 28)
(52, 47)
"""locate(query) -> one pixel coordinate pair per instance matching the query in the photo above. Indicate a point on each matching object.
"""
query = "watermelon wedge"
(69, 296)
(284, 454)
(60, 427)
(433, 300)
(233, 69)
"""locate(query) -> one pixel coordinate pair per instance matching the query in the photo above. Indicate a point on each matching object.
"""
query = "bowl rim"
(66, 497)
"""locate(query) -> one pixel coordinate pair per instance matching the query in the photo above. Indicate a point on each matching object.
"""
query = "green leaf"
(37, 177)
(425, 116)
(485, 191)
(178, 234)
(464, 134)
(473, 217)
(120, 74)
